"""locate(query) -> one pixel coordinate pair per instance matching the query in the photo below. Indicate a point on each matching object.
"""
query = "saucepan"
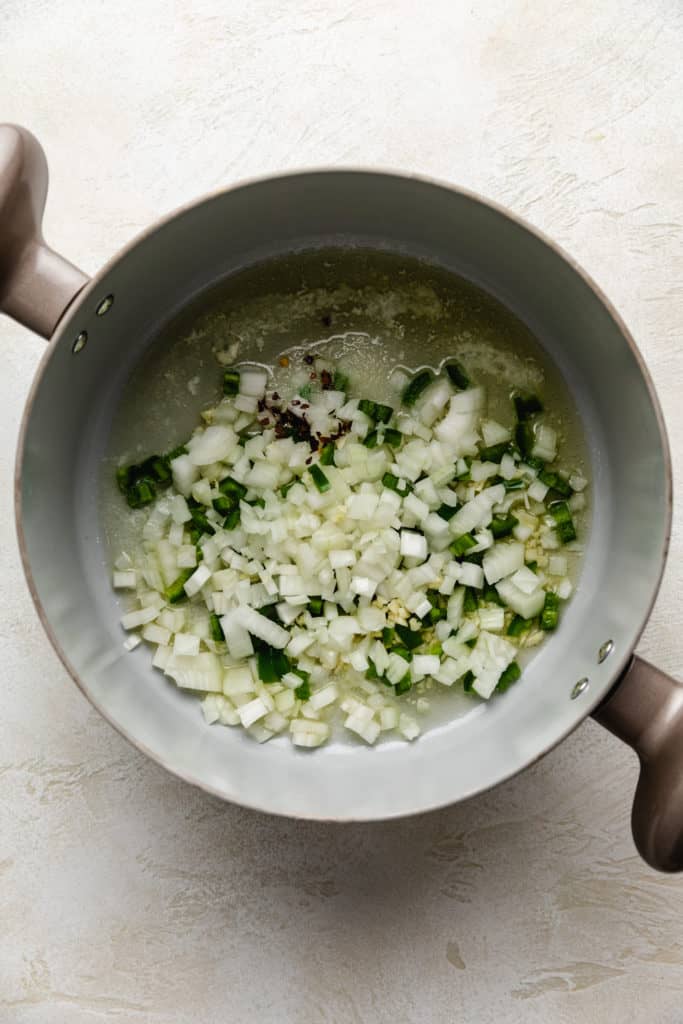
(100, 327)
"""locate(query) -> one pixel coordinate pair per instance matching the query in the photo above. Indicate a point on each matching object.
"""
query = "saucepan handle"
(645, 710)
(36, 283)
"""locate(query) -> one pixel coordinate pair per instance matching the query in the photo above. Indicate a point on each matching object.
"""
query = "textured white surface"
(125, 895)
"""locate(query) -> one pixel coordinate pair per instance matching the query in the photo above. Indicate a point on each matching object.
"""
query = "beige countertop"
(124, 894)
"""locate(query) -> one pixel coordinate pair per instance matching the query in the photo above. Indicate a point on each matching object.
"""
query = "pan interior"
(68, 443)
(371, 311)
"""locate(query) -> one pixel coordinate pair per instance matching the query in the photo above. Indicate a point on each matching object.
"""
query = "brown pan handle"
(646, 711)
(36, 284)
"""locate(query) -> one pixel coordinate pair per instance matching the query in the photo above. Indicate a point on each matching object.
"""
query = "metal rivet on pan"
(105, 305)
(605, 651)
(80, 343)
(579, 688)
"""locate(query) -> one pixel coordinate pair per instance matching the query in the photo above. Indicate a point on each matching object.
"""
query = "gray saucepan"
(587, 667)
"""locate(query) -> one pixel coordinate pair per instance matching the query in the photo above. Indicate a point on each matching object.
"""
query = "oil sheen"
(371, 313)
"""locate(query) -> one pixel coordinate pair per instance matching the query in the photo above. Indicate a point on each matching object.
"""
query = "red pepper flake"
(312, 376)
(326, 378)
(309, 460)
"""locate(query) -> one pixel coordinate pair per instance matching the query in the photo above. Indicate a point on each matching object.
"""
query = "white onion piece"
(508, 467)
(434, 400)
(139, 618)
(502, 560)
(236, 636)
(471, 400)
(525, 580)
(491, 496)
(197, 580)
(467, 518)
(124, 580)
(557, 565)
(258, 625)
(156, 634)
(537, 491)
(185, 472)
(408, 727)
(415, 507)
(213, 445)
(252, 712)
(199, 672)
(577, 502)
(424, 665)
(322, 698)
(246, 404)
(413, 545)
(434, 526)
(253, 382)
(545, 443)
(455, 607)
(238, 681)
(186, 644)
(483, 470)
(471, 575)
(494, 433)
(526, 605)
(492, 619)
(342, 564)
(397, 668)
(491, 656)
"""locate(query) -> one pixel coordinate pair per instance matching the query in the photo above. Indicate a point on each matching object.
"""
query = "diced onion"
(492, 619)
(557, 565)
(186, 644)
(185, 472)
(545, 443)
(471, 575)
(494, 433)
(213, 445)
(413, 545)
(258, 625)
(197, 580)
(525, 580)
(537, 491)
(125, 580)
(284, 578)
(502, 561)
(424, 665)
(252, 712)
(236, 636)
(526, 605)
(253, 382)
(157, 634)
(307, 733)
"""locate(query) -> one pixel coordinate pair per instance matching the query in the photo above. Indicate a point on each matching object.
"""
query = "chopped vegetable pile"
(325, 552)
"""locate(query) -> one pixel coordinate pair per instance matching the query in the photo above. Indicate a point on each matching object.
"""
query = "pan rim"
(583, 708)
